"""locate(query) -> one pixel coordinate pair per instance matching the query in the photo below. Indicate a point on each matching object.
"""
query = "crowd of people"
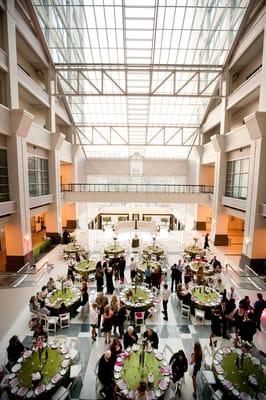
(107, 315)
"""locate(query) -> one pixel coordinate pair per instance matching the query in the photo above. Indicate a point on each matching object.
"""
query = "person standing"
(206, 242)
(259, 306)
(93, 320)
(108, 270)
(174, 276)
(133, 269)
(121, 318)
(99, 276)
(166, 295)
(122, 267)
(195, 362)
(106, 375)
(179, 272)
(147, 275)
(107, 323)
(101, 301)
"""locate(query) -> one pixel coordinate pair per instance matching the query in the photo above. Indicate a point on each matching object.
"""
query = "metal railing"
(28, 275)
(136, 188)
(246, 278)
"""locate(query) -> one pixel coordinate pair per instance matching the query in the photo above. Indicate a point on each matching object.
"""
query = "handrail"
(14, 279)
(250, 277)
(136, 188)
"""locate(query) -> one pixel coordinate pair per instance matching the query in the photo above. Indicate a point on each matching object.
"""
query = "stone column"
(254, 249)
(18, 230)
(54, 216)
(219, 219)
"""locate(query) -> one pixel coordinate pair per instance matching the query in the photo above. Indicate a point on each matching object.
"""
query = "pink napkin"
(14, 382)
(56, 378)
(40, 389)
(165, 370)
(119, 363)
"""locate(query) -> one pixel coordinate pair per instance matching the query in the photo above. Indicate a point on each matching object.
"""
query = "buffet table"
(114, 250)
(85, 267)
(69, 296)
(205, 299)
(137, 365)
(39, 372)
(240, 374)
(137, 299)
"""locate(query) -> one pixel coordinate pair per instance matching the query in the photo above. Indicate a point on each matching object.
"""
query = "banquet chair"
(62, 393)
(51, 323)
(199, 316)
(139, 318)
(185, 311)
(64, 320)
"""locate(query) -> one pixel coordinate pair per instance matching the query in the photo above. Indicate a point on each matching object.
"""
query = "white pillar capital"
(218, 143)
(256, 124)
(57, 139)
(20, 122)
(76, 149)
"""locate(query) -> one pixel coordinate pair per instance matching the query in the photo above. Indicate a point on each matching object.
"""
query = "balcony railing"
(136, 188)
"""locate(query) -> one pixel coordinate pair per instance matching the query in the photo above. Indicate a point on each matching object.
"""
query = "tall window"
(38, 176)
(4, 191)
(237, 178)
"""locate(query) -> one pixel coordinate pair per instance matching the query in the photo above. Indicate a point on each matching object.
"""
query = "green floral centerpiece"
(205, 296)
(154, 249)
(114, 249)
(138, 298)
(207, 268)
(193, 251)
(68, 296)
(74, 248)
(143, 265)
(85, 267)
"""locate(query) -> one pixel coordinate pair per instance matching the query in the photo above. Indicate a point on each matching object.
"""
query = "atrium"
(132, 166)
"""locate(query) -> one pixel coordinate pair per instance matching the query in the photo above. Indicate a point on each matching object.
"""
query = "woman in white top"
(93, 319)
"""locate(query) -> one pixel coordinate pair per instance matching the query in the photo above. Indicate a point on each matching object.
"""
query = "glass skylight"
(139, 72)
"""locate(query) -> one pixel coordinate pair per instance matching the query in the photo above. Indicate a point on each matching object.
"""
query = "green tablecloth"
(192, 251)
(69, 296)
(143, 265)
(158, 251)
(207, 269)
(239, 377)
(71, 248)
(133, 374)
(85, 268)
(203, 299)
(141, 299)
(48, 368)
(113, 250)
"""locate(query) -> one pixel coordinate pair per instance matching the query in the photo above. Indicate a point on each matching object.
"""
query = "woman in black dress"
(196, 360)
(99, 276)
(108, 270)
(107, 323)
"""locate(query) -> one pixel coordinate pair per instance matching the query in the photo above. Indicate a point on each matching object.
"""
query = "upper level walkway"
(142, 193)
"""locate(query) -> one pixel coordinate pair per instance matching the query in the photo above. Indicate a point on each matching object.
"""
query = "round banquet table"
(49, 373)
(244, 383)
(154, 249)
(193, 251)
(114, 250)
(69, 296)
(143, 265)
(129, 372)
(85, 267)
(205, 300)
(74, 248)
(207, 268)
(141, 299)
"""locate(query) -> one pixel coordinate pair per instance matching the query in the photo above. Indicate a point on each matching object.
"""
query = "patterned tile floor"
(177, 332)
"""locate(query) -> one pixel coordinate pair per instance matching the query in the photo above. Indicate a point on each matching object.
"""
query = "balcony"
(32, 87)
(38, 134)
(7, 208)
(61, 113)
(137, 193)
(213, 119)
(238, 204)
(245, 89)
(39, 201)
